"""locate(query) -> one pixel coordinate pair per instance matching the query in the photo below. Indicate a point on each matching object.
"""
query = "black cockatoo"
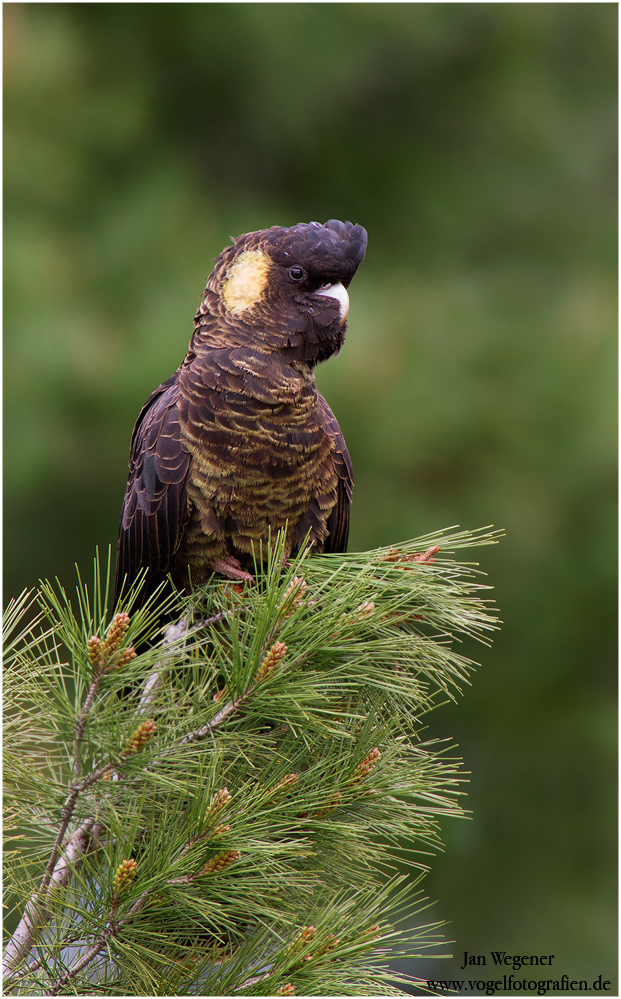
(239, 441)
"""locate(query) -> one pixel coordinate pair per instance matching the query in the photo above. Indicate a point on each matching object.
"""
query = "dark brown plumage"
(239, 441)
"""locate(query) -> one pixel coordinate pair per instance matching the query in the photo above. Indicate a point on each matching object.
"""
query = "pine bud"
(125, 874)
(372, 932)
(286, 990)
(305, 936)
(94, 651)
(293, 596)
(332, 804)
(219, 801)
(140, 737)
(394, 555)
(428, 555)
(363, 769)
(288, 781)
(398, 555)
(222, 860)
(275, 655)
(330, 943)
(127, 656)
(116, 633)
(365, 609)
(103, 655)
(220, 694)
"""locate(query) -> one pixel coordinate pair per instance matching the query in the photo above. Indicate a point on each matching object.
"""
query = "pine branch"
(174, 634)
(103, 657)
(263, 800)
(234, 705)
(36, 915)
(112, 930)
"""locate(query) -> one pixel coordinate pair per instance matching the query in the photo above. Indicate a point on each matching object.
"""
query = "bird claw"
(231, 568)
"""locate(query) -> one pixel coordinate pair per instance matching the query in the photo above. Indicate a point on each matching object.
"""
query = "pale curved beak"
(339, 292)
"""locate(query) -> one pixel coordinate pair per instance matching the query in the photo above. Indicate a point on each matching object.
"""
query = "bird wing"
(155, 508)
(338, 521)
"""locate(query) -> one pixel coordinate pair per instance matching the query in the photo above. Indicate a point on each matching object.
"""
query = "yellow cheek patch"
(246, 280)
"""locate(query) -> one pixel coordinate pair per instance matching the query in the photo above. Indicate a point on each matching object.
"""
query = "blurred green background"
(477, 144)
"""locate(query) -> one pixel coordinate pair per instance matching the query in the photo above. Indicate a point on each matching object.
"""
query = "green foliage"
(249, 813)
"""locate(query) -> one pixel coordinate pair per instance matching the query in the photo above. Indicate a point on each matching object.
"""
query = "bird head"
(284, 289)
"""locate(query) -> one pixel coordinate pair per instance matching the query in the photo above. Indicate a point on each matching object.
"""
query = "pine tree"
(223, 813)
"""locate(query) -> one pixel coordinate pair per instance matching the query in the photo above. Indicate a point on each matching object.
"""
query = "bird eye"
(297, 273)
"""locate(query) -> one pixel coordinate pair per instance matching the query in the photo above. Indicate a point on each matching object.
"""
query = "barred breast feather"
(239, 443)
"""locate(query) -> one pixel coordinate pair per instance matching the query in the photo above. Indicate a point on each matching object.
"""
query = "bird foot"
(231, 568)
